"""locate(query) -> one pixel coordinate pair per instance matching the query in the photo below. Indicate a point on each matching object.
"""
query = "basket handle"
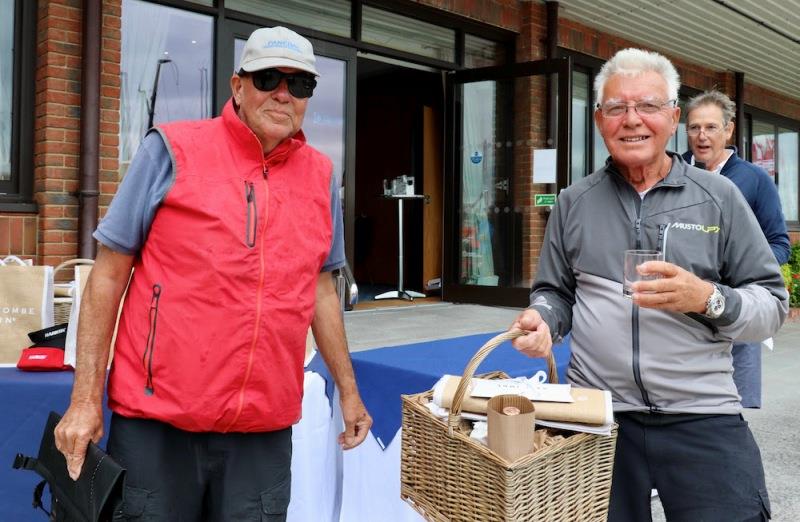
(454, 417)
(15, 259)
(71, 262)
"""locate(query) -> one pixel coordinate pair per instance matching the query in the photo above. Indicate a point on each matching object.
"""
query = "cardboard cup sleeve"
(511, 422)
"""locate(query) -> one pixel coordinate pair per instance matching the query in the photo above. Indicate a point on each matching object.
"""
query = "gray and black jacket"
(652, 360)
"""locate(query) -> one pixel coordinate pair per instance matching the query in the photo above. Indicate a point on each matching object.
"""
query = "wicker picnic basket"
(62, 304)
(446, 476)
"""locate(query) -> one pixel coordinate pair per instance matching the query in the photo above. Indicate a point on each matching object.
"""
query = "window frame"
(16, 194)
(777, 121)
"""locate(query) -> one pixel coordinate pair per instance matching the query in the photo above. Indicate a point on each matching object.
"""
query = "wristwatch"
(715, 304)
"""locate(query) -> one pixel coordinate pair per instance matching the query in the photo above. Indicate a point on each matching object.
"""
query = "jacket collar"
(247, 142)
(729, 163)
(676, 177)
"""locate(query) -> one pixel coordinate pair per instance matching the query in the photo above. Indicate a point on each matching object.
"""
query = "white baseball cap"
(271, 47)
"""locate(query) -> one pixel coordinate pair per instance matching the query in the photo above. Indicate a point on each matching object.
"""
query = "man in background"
(709, 124)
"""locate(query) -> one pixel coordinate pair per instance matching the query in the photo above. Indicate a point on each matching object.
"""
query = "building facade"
(487, 104)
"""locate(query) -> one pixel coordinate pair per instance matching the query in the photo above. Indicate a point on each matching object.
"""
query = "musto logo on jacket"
(708, 229)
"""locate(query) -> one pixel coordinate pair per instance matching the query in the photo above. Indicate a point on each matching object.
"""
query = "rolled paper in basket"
(511, 419)
(590, 407)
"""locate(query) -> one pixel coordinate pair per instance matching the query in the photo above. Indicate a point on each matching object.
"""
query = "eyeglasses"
(710, 130)
(300, 85)
(642, 108)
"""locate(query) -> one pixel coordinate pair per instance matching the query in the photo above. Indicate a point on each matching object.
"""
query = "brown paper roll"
(589, 406)
(511, 436)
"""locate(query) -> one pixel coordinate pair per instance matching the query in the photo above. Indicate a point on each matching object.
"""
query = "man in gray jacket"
(665, 354)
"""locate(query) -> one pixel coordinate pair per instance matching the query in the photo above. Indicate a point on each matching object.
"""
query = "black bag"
(91, 498)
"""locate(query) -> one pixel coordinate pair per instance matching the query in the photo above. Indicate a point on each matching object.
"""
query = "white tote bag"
(81, 276)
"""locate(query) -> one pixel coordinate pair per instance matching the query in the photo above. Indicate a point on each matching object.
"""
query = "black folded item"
(91, 498)
(54, 336)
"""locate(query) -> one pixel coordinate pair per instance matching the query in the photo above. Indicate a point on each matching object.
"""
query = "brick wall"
(18, 235)
(500, 13)
(57, 128)
(52, 236)
(531, 133)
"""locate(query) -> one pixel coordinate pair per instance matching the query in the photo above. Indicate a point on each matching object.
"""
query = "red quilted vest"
(212, 333)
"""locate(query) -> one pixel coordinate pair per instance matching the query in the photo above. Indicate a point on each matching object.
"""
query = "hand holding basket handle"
(469, 371)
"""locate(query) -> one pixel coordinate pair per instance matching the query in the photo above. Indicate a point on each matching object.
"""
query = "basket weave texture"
(62, 306)
(446, 476)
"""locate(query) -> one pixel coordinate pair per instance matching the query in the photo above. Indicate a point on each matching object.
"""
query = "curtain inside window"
(477, 183)
(144, 35)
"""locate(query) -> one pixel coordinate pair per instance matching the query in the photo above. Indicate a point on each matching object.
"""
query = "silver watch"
(715, 304)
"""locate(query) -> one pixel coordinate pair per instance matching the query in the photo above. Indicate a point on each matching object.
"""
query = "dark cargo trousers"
(179, 476)
(706, 468)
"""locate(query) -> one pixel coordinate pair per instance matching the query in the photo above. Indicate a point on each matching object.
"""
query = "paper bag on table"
(26, 304)
(589, 406)
(511, 419)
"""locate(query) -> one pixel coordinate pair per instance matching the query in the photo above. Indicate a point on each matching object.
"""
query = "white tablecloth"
(329, 485)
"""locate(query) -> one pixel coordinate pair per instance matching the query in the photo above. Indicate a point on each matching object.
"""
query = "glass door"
(494, 220)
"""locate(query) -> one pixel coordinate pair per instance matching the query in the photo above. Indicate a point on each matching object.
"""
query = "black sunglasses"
(300, 85)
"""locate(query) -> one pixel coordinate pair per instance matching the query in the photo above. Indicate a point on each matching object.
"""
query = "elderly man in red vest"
(232, 226)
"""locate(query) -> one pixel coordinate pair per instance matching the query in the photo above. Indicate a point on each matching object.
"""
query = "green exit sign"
(544, 200)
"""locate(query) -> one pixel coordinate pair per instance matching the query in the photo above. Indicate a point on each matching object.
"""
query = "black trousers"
(706, 468)
(174, 475)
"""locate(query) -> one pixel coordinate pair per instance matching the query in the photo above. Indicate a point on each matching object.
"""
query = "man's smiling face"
(635, 140)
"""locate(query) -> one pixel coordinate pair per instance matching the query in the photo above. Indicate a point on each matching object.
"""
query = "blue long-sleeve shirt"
(762, 195)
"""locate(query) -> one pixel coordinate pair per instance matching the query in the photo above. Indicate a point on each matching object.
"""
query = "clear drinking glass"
(634, 258)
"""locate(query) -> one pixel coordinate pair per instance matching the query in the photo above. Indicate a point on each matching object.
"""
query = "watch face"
(715, 305)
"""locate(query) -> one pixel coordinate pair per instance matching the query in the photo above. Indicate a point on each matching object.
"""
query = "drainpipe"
(90, 129)
(740, 130)
(551, 50)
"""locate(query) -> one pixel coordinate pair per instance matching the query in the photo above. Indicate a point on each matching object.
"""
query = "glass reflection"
(6, 85)
(478, 166)
(173, 46)
(480, 52)
(407, 34)
(763, 146)
(580, 103)
(328, 16)
(788, 169)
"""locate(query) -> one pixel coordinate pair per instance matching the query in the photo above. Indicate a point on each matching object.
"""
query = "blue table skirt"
(27, 400)
(386, 373)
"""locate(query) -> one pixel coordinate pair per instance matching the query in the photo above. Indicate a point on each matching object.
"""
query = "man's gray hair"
(634, 62)
(720, 99)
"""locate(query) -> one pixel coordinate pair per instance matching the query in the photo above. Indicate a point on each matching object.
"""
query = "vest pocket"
(251, 224)
(149, 348)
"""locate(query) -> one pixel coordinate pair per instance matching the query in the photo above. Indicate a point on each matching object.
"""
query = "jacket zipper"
(637, 372)
(147, 357)
(662, 239)
(256, 328)
(252, 214)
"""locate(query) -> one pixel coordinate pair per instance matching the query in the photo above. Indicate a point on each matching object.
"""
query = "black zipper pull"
(661, 229)
(151, 339)
(638, 229)
(252, 215)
